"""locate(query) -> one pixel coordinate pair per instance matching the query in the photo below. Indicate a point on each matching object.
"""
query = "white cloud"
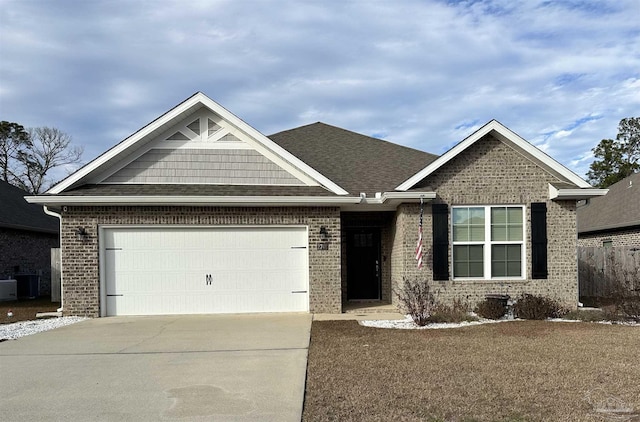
(421, 73)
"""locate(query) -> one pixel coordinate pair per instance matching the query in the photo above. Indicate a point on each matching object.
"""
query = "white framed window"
(488, 242)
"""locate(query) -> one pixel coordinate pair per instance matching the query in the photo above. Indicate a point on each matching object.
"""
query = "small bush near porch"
(510, 371)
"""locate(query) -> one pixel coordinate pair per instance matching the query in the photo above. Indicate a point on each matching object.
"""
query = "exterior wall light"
(82, 234)
(324, 234)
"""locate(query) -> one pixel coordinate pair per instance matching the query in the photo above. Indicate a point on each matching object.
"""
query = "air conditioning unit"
(8, 290)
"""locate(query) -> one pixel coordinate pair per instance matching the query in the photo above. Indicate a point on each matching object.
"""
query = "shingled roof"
(16, 213)
(356, 162)
(618, 209)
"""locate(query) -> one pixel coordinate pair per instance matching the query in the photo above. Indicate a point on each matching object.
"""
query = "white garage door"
(159, 270)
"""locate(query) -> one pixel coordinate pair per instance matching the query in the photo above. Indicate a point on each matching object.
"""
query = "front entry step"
(368, 308)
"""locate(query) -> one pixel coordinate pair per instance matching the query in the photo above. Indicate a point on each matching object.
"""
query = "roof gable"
(618, 209)
(16, 213)
(199, 130)
(502, 133)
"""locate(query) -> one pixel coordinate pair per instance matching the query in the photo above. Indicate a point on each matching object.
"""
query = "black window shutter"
(440, 219)
(538, 240)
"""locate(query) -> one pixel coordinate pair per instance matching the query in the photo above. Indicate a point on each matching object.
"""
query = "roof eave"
(575, 194)
(132, 200)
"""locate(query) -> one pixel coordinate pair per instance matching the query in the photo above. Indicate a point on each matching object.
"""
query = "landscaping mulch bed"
(511, 371)
(25, 310)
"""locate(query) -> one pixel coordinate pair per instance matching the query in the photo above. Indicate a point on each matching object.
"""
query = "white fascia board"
(194, 200)
(575, 194)
(506, 135)
(193, 101)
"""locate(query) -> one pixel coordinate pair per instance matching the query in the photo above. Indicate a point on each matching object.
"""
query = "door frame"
(377, 231)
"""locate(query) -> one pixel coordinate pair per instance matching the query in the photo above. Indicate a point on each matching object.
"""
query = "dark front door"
(363, 264)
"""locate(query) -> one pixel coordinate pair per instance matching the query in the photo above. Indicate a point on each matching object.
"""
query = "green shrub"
(491, 308)
(417, 299)
(537, 307)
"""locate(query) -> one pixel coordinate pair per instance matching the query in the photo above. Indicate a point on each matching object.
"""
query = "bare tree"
(14, 140)
(49, 148)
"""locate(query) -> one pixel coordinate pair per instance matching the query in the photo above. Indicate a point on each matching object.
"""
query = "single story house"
(27, 235)
(614, 219)
(198, 212)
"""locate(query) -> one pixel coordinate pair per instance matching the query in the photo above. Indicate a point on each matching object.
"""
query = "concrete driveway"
(213, 368)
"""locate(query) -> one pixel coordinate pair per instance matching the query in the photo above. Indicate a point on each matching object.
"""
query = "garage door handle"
(299, 291)
(298, 247)
(114, 295)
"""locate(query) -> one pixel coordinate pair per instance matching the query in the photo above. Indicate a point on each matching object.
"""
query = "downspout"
(59, 217)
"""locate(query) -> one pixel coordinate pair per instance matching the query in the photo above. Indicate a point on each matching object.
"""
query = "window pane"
(460, 234)
(498, 269)
(506, 224)
(499, 233)
(468, 224)
(506, 261)
(515, 232)
(513, 252)
(468, 261)
(499, 215)
(460, 269)
(461, 253)
(513, 269)
(475, 253)
(476, 215)
(476, 269)
(476, 233)
(514, 215)
(460, 215)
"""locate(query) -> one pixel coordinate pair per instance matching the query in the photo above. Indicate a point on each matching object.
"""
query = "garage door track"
(200, 367)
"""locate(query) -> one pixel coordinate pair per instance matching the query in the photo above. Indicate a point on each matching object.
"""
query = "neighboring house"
(198, 212)
(27, 235)
(614, 219)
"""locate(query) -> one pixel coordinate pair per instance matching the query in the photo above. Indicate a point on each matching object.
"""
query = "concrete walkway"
(187, 368)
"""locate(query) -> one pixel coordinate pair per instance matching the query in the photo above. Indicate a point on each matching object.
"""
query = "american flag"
(419, 245)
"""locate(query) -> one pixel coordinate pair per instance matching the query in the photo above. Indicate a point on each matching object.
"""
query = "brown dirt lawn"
(513, 371)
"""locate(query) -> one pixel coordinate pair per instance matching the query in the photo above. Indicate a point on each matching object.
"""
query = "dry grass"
(24, 310)
(515, 371)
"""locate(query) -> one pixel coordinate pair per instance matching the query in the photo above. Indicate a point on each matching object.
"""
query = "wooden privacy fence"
(600, 268)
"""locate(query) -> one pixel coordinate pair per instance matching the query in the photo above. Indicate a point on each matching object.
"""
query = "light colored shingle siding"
(491, 173)
(220, 166)
(80, 258)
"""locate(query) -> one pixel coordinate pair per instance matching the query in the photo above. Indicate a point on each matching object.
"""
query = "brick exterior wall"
(491, 173)
(629, 237)
(80, 260)
(30, 252)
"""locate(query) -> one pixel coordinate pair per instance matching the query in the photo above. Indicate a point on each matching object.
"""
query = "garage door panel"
(164, 270)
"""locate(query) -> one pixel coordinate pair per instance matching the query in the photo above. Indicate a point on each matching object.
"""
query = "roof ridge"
(354, 133)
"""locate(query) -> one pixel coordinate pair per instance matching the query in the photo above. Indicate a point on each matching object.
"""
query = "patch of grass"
(512, 371)
(587, 315)
(25, 310)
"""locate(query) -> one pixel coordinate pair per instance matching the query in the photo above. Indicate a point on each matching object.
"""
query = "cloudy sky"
(419, 73)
